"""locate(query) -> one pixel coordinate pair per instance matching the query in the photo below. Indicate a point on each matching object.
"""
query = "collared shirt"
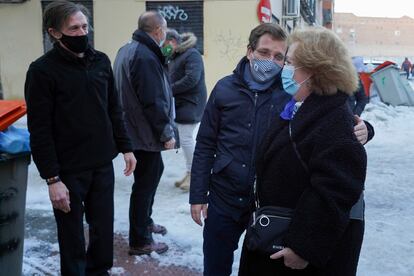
(290, 109)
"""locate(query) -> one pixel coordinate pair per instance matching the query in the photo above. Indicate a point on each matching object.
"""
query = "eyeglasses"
(278, 57)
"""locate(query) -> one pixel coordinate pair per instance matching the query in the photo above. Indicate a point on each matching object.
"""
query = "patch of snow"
(388, 247)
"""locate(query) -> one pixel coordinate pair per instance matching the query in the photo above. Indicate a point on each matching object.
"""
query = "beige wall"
(114, 23)
(21, 43)
(227, 24)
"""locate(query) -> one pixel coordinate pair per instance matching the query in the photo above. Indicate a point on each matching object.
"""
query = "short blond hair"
(320, 52)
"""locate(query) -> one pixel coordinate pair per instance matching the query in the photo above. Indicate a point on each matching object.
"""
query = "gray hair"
(150, 21)
(173, 34)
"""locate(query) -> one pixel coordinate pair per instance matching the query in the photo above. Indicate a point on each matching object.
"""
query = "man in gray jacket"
(142, 81)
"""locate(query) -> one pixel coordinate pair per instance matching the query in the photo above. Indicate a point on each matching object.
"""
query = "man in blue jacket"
(142, 80)
(238, 113)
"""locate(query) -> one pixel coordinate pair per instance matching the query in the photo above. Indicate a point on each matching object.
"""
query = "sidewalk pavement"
(40, 225)
(146, 265)
(41, 251)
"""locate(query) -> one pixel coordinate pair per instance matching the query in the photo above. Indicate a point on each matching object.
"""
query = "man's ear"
(159, 30)
(249, 52)
(56, 34)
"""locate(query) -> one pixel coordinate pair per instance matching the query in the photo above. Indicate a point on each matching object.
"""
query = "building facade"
(376, 37)
(222, 27)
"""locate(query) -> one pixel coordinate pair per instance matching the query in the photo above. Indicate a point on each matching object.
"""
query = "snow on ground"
(388, 247)
(388, 242)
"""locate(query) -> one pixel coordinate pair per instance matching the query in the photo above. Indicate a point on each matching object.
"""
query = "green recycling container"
(13, 184)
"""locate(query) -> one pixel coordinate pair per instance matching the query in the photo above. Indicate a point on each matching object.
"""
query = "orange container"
(11, 111)
(366, 81)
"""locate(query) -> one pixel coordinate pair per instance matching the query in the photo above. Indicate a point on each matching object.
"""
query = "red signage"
(264, 11)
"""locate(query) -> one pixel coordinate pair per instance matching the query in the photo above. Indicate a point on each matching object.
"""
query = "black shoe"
(157, 229)
(157, 247)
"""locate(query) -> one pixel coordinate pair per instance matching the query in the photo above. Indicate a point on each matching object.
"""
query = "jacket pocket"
(221, 162)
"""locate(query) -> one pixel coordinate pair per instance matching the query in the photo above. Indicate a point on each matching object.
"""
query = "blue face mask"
(289, 84)
(264, 70)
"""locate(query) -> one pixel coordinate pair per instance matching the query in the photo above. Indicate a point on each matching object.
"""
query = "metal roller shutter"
(184, 16)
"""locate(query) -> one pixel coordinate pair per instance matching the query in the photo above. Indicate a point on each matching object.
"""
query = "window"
(327, 16)
(352, 34)
(47, 45)
(292, 8)
(275, 19)
(12, 1)
(183, 16)
(312, 6)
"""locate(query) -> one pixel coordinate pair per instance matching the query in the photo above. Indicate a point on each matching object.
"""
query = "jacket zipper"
(253, 153)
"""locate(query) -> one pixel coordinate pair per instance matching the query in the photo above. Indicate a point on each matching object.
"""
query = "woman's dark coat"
(323, 131)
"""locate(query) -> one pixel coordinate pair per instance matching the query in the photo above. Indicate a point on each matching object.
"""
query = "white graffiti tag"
(172, 13)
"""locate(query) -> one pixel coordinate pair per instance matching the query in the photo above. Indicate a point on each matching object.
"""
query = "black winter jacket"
(323, 131)
(74, 115)
(234, 122)
(359, 100)
(142, 80)
(188, 82)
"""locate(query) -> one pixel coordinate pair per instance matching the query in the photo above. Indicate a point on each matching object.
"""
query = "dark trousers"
(146, 179)
(91, 193)
(221, 237)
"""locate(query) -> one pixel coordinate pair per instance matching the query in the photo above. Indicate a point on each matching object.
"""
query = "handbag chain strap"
(304, 165)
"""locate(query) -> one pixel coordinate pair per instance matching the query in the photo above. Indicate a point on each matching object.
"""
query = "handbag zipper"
(267, 216)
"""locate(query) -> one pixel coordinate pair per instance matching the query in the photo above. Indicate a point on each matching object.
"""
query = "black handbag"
(267, 229)
(268, 225)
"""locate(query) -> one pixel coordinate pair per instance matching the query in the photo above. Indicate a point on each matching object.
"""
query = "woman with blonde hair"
(312, 163)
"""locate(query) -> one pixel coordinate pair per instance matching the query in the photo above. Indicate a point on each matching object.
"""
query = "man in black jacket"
(358, 100)
(76, 126)
(141, 78)
(238, 113)
(188, 85)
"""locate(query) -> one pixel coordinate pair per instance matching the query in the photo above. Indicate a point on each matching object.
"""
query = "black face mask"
(77, 44)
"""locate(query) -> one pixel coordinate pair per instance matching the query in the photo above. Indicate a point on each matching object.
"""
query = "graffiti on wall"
(170, 12)
(231, 45)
